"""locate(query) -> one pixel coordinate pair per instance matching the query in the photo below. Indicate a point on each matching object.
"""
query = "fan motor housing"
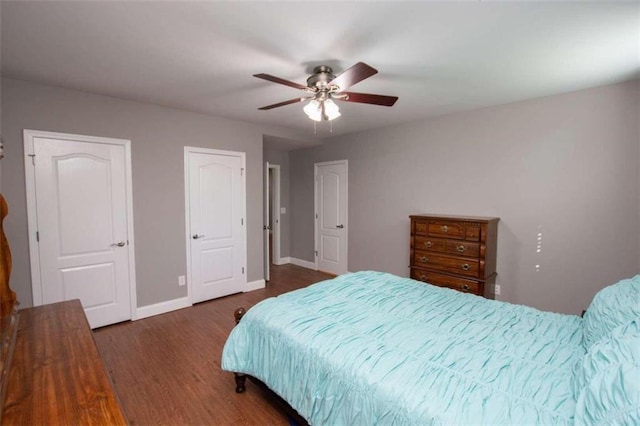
(322, 76)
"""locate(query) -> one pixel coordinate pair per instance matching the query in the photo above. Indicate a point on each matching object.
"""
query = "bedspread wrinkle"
(372, 348)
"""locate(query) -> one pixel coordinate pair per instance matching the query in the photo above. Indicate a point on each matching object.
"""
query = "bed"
(373, 348)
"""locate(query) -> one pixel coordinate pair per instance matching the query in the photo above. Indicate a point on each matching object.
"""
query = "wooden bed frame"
(8, 308)
(240, 378)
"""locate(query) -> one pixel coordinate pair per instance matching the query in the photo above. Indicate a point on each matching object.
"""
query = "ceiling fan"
(323, 87)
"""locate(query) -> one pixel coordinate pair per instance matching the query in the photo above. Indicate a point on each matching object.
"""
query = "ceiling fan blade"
(289, 102)
(354, 75)
(279, 80)
(367, 98)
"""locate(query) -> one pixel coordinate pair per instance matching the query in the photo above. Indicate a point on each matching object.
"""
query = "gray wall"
(281, 158)
(568, 164)
(157, 136)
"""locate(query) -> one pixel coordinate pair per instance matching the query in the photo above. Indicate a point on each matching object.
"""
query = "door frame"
(316, 220)
(271, 215)
(266, 216)
(32, 219)
(275, 214)
(187, 211)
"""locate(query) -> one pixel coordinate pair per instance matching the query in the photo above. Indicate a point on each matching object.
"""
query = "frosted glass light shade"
(331, 109)
(314, 110)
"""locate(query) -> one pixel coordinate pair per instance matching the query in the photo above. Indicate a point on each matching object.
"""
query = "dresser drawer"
(447, 230)
(431, 244)
(421, 227)
(472, 232)
(460, 284)
(454, 265)
(463, 248)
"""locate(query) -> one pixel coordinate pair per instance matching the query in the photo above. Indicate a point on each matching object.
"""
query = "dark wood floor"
(166, 369)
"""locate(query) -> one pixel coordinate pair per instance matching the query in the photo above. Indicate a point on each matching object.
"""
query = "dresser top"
(57, 375)
(454, 217)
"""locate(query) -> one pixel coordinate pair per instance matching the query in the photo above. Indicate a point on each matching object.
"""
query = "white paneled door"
(79, 202)
(331, 216)
(216, 223)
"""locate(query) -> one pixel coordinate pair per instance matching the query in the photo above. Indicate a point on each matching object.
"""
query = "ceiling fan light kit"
(314, 110)
(324, 87)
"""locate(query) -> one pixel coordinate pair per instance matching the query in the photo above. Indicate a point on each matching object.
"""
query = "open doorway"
(271, 217)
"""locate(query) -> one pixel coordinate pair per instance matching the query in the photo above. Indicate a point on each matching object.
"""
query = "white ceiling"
(437, 57)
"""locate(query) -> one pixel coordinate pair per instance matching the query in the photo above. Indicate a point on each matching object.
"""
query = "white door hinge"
(243, 270)
(33, 159)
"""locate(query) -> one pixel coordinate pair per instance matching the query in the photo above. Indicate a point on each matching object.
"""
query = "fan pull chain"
(315, 130)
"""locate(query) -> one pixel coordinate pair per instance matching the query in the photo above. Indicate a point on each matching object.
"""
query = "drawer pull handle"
(424, 259)
(428, 244)
(465, 287)
(461, 248)
(465, 266)
(423, 277)
(444, 228)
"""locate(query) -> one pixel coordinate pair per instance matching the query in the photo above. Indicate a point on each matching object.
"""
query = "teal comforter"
(372, 348)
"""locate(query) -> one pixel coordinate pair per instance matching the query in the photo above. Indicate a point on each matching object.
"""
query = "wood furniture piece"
(457, 252)
(8, 306)
(7, 296)
(57, 375)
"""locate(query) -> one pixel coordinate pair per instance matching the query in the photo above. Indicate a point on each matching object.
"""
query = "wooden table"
(57, 375)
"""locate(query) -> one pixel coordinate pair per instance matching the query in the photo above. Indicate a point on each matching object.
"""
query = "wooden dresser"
(57, 376)
(458, 252)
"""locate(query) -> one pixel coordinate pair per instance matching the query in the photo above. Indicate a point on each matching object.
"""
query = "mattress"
(373, 348)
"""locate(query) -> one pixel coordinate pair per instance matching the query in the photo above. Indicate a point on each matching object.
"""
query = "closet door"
(331, 216)
(81, 226)
(216, 223)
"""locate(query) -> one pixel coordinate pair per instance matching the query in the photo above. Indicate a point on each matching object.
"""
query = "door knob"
(196, 236)
(340, 226)
(118, 244)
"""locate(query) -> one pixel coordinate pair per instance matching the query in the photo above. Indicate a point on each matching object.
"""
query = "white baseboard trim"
(162, 308)
(255, 285)
(282, 261)
(303, 263)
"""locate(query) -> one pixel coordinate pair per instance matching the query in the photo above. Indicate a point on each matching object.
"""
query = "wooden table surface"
(57, 375)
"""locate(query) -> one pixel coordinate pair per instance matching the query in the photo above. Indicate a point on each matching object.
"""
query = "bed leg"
(238, 314)
(240, 379)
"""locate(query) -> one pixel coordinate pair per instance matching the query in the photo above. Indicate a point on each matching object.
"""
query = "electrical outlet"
(497, 289)
(182, 280)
